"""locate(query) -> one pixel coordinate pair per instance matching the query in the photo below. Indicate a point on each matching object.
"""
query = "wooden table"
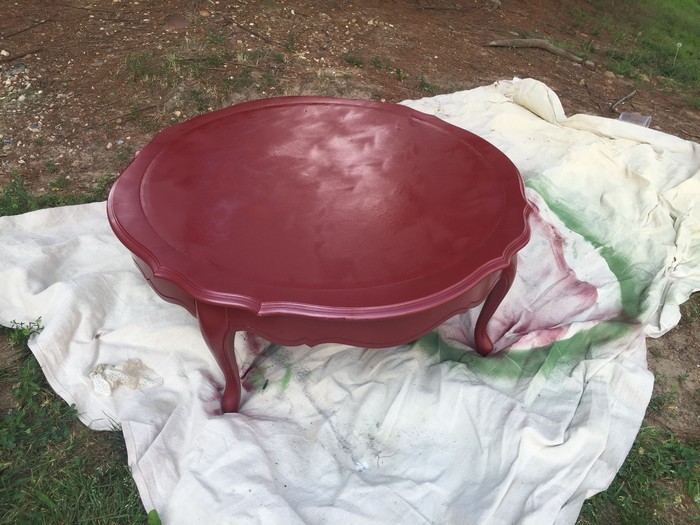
(308, 220)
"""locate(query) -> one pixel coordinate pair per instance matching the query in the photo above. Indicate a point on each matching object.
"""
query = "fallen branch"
(462, 9)
(541, 44)
(20, 55)
(25, 29)
(626, 97)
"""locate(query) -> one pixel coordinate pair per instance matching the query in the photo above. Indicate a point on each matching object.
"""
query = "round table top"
(322, 207)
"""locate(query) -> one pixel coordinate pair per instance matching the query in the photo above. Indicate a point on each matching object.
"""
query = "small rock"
(21, 98)
(5, 53)
(109, 145)
(204, 12)
(609, 74)
(98, 62)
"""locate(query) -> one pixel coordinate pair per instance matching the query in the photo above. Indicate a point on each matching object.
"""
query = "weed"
(199, 100)
(269, 80)
(143, 67)
(255, 55)
(172, 63)
(22, 332)
(353, 60)
(400, 75)
(291, 44)
(690, 310)
(663, 402)
(139, 116)
(123, 156)
(216, 39)
(59, 183)
(214, 60)
(382, 63)
(51, 166)
(242, 80)
(425, 85)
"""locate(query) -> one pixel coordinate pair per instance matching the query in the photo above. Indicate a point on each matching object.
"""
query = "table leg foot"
(484, 345)
(213, 321)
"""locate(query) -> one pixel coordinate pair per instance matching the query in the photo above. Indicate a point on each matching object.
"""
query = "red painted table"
(310, 220)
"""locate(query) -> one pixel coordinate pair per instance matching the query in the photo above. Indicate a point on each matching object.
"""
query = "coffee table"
(308, 220)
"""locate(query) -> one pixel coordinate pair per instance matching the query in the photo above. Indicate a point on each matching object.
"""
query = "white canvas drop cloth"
(424, 433)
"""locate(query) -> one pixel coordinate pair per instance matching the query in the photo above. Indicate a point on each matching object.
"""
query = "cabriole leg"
(483, 342)
(213, 321)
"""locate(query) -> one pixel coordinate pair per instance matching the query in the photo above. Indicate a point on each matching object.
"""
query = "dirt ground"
(84, 85)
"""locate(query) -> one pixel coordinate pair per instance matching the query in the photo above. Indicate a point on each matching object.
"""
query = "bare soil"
(84, 85)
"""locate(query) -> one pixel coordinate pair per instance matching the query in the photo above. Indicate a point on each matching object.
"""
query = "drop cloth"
(427, 432)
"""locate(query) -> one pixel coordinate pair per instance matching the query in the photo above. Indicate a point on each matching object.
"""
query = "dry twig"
(254, 33)
(626, 97)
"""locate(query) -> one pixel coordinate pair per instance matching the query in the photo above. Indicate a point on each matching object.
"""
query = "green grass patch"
(645, 489)
(52, 468)
(148, 67)
(15, 198)
(654, 38)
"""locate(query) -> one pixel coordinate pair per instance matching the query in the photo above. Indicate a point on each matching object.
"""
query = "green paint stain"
(633, 289)
(284, 382)
(257, 378)
(260, 382)
(558, 358)
(511, 365)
